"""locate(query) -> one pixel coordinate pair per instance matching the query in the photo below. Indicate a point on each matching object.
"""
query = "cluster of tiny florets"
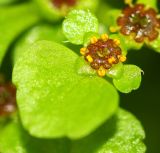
(140, 22)
(7, 99)
(103, 53)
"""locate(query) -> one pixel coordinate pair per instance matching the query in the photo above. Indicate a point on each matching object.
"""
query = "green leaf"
(116, 71)
(121, 134)
(13, 21)
(50, 88)
(14, 139)
(130, 79)
(83, 68)
(38, 32)
(77, 23)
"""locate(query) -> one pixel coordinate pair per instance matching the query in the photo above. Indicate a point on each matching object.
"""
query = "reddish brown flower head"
(103, 53)
(7, 99)
(61, 3)
(140, 22)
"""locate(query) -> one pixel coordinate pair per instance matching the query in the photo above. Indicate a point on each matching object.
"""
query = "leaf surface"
(130, 79)
(77, 24)
(58, 95)
(123, 133)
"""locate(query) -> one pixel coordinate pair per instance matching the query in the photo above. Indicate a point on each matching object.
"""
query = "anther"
(94, 40)
(122, 58)
(104, 37)
(117, 42)
(89, 58)
(101, 71)
(111, 60)
(102, 54)
(83, 51)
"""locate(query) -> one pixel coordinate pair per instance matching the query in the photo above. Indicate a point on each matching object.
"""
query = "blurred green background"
(145, 102)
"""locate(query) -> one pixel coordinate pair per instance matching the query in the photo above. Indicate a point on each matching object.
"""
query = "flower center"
(60, 3)
(103, 53)
(7, 99)
(139, 22)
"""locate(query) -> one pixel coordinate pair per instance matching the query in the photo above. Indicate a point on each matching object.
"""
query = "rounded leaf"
(77, 24)
(116, 71)
(130, 79)
(52, 96)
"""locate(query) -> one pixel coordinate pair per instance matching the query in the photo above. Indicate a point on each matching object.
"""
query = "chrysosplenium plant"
(67, 68)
